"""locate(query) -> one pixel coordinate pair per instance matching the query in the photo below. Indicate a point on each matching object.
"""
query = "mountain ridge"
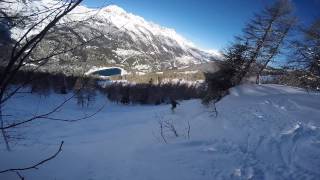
(127, 40)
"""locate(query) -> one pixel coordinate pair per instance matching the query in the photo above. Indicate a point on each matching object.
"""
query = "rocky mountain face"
(109, 36)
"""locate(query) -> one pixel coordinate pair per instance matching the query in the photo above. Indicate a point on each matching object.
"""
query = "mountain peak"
(115, 9)
(129, 40)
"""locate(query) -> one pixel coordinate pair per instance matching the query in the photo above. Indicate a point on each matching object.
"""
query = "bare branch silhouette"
(34, 166)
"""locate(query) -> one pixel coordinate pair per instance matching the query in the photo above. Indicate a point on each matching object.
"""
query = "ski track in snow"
(261, 132)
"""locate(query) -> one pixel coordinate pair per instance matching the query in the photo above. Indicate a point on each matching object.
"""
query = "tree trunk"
(3, 132)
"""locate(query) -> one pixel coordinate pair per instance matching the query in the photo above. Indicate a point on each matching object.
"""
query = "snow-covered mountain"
(111, 36)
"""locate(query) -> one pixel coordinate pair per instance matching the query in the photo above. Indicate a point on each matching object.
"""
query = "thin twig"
(35, 166)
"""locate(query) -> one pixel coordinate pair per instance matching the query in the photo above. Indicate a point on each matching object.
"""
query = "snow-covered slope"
(127, 39)
(267, 132)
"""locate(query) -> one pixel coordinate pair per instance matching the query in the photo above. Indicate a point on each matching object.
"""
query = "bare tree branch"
(36, 165)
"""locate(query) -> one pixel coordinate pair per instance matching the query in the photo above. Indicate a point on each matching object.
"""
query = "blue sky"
(210, 24)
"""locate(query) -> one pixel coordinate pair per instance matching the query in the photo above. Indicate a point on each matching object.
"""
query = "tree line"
(263, 38)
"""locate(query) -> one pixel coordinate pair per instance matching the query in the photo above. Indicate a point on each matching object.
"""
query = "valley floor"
(261, 132)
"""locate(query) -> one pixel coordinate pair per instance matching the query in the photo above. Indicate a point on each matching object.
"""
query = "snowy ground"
(261, 132)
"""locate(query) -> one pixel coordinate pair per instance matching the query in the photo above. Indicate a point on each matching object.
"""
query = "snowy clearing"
(261, 132)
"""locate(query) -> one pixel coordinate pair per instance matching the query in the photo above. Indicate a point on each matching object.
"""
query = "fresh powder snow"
(261, 132)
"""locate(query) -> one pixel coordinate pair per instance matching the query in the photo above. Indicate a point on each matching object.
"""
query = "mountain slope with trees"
(112, 37)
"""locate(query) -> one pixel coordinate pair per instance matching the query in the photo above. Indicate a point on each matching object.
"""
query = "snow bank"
(261, 132)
